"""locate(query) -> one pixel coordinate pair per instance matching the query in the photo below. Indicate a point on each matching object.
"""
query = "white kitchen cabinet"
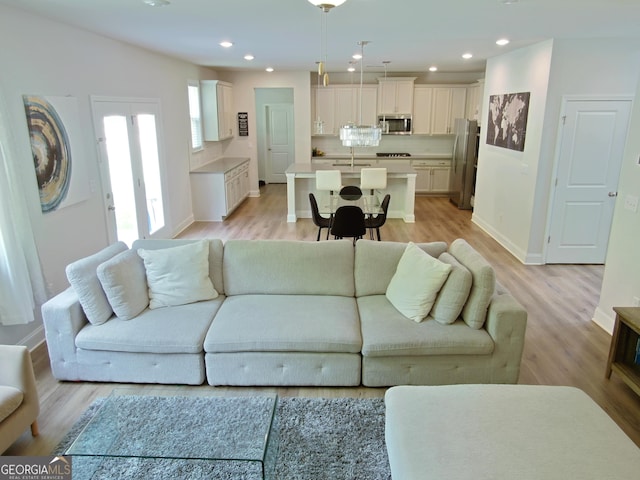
(339, 105)
(449, 103)
(422, 109)
(323, 109)
(219, 187)
(475, 97)
(395, 95)
(217, 109)
(432, 176)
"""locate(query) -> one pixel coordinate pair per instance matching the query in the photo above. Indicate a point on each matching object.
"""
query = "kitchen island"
(301, 180)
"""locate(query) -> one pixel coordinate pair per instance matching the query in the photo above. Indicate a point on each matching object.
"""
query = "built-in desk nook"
(301, 178)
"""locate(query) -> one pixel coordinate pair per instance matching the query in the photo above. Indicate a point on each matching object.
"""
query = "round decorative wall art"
(51, 151)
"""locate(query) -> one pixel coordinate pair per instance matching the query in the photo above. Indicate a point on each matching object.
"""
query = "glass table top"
(175, 426)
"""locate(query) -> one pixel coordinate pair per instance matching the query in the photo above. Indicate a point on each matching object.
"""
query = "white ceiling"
(285, 34)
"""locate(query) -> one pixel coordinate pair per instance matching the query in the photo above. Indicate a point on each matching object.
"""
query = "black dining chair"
(348, 221)
(374, 223)
(351, 192)
(320, 221)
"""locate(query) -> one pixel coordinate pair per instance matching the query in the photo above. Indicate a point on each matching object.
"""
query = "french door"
(127, 135)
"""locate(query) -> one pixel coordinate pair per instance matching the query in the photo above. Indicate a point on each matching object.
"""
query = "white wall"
(48, 58)
(513, 188)
(621, 280)
(506, 179)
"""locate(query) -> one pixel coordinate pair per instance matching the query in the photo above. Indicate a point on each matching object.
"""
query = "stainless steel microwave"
(395, 124)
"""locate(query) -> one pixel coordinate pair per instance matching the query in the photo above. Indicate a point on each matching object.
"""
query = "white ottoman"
(504, 432)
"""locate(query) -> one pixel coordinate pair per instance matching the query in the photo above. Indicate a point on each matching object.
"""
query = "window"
(196, 118)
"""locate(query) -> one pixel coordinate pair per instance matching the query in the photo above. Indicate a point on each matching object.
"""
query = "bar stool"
(373, 178)
(329, 180)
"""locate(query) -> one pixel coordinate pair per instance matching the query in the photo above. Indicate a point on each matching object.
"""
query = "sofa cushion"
(416, 283)
(376, 263)
(387, 333)
(178, 275)
(83, 277)
(474, 312)
(124, 282)
(179, 329)
(216, 249)
(454, 293)
(10, 399)
(285, 323)
(288, 267)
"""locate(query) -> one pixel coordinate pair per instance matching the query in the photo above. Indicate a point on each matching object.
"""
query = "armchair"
(19, 404)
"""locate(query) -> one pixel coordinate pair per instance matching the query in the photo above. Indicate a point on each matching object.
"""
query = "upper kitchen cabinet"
(323, 111)
(475, 96)
(217, 109)
(449, 103)
(422, 109)
(337, 105)
(395, 95)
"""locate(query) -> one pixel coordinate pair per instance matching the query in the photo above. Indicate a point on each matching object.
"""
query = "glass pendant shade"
(360, 135)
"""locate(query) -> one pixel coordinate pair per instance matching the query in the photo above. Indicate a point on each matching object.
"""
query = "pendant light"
(323, 75)
(360, 135)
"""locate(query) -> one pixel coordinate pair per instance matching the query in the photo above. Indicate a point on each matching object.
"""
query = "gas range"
(393, 154)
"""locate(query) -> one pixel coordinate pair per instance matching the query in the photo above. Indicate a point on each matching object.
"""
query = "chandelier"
(360, 135)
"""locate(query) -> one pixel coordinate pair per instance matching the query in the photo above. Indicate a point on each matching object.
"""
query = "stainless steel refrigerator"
(463, 163)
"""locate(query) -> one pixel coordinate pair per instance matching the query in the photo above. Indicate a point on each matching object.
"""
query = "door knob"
(111, 207)
(613, 194)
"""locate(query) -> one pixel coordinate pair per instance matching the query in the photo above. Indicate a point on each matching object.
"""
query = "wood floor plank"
(562, 345)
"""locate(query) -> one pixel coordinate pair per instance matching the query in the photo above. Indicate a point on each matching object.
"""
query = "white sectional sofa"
(285, 313)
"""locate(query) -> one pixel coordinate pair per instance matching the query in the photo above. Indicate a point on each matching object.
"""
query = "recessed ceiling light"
(269, 69)
(249, 57)
(433, 68)
(502, 42)
(226, 44)
(467, 56)
(156, 3)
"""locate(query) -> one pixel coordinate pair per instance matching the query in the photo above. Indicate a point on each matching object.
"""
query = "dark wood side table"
(624, 345)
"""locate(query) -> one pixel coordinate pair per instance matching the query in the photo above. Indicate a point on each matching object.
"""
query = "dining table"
(369, 204)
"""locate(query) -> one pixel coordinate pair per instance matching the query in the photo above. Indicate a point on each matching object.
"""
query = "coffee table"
(183, 427)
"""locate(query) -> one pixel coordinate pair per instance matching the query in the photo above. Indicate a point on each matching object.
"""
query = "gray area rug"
(319, 439)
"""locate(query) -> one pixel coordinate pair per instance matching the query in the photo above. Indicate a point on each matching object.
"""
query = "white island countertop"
(361, 157)
(308, 170)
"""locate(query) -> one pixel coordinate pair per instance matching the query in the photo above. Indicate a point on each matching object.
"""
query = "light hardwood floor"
(562, 346)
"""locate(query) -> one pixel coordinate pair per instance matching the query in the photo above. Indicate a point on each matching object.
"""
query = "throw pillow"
(483, 285)
(83, 277)
(415, 285)
(454, 292)
(124, 281)
(178, 275)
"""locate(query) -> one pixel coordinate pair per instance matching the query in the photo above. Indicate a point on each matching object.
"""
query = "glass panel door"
(131, 168)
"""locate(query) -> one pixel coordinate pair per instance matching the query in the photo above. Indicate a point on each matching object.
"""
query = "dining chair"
(320, 221)
(348, 221)
(329, 180)
(373, 179)
(351, 192)
(374, 223)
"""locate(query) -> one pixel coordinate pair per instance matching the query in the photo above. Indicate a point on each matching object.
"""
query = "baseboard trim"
(604, 320)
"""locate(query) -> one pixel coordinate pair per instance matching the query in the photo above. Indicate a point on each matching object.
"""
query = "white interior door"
(130, 164)
(592, 139)
(280, 142)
